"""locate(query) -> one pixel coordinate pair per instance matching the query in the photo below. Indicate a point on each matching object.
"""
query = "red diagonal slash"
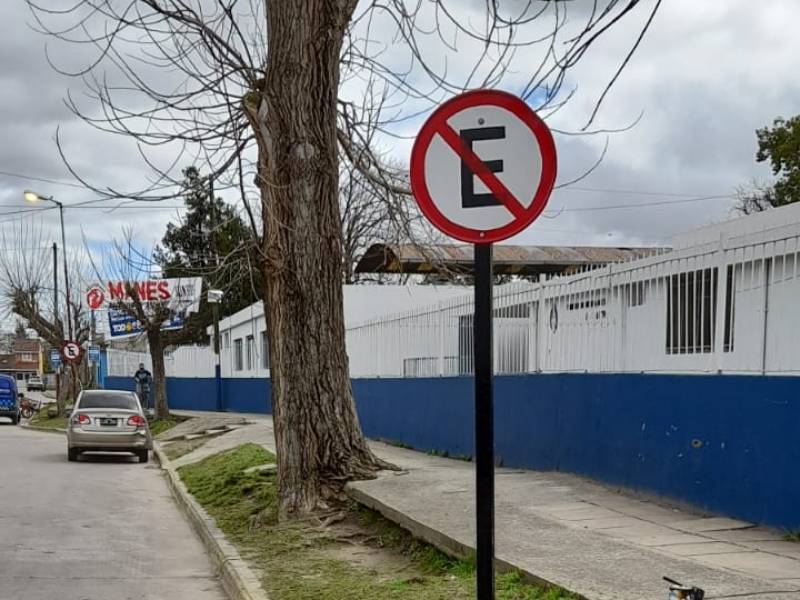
(477, 166)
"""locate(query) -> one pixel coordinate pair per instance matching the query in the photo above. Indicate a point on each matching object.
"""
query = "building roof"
(511, 260)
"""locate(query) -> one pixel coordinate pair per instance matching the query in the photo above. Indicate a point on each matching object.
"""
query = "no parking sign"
(483, 166)
(71, 351)
(482, 169)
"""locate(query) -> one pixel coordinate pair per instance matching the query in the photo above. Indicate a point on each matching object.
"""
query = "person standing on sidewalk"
(144, 381)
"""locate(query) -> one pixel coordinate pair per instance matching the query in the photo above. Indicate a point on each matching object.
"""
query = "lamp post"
(34, 198)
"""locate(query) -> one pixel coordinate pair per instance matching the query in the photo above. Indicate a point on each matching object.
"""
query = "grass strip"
(41, 419)
(361, 556)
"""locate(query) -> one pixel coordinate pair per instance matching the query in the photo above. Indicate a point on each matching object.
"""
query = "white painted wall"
(361, 303)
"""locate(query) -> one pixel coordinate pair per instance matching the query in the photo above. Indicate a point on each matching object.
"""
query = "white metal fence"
(185, 361)
(728, 306)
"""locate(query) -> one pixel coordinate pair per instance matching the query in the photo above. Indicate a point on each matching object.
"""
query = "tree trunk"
(319, 440)
(61, 392)
(74, 388)
(158, 390)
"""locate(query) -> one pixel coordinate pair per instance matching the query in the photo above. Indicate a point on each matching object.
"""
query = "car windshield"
(101, 400)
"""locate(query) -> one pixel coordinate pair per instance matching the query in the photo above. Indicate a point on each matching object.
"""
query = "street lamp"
(35, 198)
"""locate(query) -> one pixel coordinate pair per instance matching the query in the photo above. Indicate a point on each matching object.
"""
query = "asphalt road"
(104, 528)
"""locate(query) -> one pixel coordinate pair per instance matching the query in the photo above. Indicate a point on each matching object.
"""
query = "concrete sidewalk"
(568, 531)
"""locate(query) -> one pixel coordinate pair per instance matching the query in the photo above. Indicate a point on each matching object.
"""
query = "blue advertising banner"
(122, 324)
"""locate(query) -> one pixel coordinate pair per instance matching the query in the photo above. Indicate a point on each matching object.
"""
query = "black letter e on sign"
(469, 199)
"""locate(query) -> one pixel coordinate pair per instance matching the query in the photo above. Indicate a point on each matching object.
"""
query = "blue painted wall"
(190, 393)
(727, 444)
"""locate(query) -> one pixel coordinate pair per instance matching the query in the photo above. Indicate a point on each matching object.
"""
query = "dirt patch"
(353, 543)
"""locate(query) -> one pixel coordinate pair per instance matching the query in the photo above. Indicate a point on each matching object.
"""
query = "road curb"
(238, 580)
(44, 429)
(440, 540)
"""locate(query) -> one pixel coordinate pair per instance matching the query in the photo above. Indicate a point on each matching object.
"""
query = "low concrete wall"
(724, 443)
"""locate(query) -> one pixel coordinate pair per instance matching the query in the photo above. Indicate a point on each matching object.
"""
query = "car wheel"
(15, 419)
(72, 454)
(143, 455)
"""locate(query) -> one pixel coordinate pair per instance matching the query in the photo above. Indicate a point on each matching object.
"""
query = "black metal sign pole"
(484, 422)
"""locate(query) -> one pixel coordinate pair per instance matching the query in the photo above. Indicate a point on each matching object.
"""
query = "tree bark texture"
(158, 391)
(319, 440)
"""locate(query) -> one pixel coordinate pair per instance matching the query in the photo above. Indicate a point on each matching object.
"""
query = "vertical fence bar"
(720, 262)
(540, 325)
(718, 347)
(768, 266)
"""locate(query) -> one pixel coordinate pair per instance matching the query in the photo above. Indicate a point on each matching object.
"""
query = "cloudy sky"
(706, 76)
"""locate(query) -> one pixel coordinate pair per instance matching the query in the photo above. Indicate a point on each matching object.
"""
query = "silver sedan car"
(108, 421)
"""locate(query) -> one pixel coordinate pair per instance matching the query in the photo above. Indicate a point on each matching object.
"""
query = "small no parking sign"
(71, 351)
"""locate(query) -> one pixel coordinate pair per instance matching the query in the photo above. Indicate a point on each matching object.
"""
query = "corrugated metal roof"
(522, 260)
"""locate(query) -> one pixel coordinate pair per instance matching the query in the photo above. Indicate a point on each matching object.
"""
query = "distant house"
(23, 360)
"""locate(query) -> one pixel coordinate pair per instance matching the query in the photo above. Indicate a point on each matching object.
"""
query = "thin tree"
(271, 94)
(371, 214)
(26, 290)
(129, 264)
(754, 197)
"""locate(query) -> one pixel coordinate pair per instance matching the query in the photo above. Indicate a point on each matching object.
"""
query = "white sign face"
(72, 351)
(483, 166)
(513, 147)
(178, 294)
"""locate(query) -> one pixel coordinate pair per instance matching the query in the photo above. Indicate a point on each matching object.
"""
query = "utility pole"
(66, 271)
(91, 364)
(55, 313)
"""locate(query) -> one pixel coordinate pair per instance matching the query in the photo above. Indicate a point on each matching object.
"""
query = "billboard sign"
(181, 294)
(121, 324)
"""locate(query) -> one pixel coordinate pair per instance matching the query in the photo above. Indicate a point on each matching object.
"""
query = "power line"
(125, 207)
(42, 179)
(640, 204)
(634, 192)
(83, 207)
(29, 249)
(27, 210)
(156, 206)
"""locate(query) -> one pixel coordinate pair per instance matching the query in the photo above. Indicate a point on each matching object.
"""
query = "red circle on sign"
(524, 215)
(71, 351)
(94, 298)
